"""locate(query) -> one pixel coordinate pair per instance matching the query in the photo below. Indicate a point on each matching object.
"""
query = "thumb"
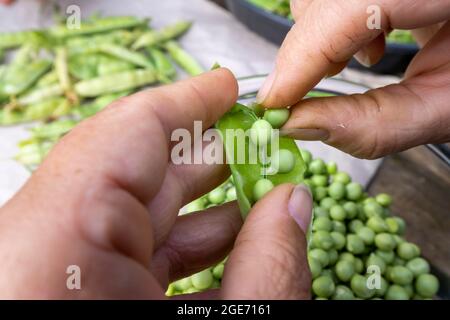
(269, 258)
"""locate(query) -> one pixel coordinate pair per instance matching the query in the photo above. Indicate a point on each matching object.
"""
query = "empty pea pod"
(247, 174)
(154, 37)
(125, 54)
(9, 40)
(49, 108)
(163, 65)
(48, 79)
(115, 83)
(41, 94)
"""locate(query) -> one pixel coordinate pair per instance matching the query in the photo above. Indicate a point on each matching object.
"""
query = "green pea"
(322, 239)
(427, 285)
(343, 293)
(398, 262)
(202, 280)
(355, 244)
(320, 212)
(196, 205)
(387, 256)
(401, 224)
(322, 223)
(384, 199)
(409, 289)
(319, 180)
(320, 255)
(359, 265)
(231, 194)
(218, 271)
(329, 273)
(347, 256)
(354, 191)
(338, 239)
(366, 234)
(261, 132)
(418, 266)
(400, 275)
(375, 260)
(342, 177)
(315, 267)
(392, 225)
(339, 226)
(359, 286)
(216, 284)
(398, 240)
(372, 209)
(351, 209)
(217, 196)
(384, 285)
(320, 193)
(337, 213)
(317, 166)
(327, 203)
(277, 117)
(183, 284)
(336, 190)
(262, 186)
(408, 251)
(306, 155)
(344, 270)
(355, 225)
(323, 286)
(385, 241)
(377, 224)
(283, 160)
(331, 167)
(333, 256)
(396, 292)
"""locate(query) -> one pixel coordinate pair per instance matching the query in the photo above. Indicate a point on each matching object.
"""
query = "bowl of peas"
(272, 20)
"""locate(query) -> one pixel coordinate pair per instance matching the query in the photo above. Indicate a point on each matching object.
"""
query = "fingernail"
(300, 206)
(306, 134)
(364, 59)
(265, 89)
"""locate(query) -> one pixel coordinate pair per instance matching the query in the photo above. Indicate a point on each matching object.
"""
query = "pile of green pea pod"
(72, 73)
(282, 8)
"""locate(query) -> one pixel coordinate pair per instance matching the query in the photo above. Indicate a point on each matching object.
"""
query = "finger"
(380, 122)
(268, 260)
(196, 242)
(423, 35)
(314, 44)
(182, 185)
(373, 52)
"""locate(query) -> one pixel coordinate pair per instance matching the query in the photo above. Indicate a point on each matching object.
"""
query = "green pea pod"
(46, 109)
(154, 37)
(9, 40)
(162, 64)
(84, 66)
(108, 65)
(50, 78)
(62, 68)
(245, 175)
(32, 153)
(125, 54)
(97, 26)
(53, 130)
(21, 78)
(183, 59)
(40, 94)
(117, 82)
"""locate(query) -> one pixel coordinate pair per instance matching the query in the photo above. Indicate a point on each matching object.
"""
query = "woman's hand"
(325, 37)
(107, 199)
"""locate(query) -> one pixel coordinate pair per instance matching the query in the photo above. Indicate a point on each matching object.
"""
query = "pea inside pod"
(254, 179)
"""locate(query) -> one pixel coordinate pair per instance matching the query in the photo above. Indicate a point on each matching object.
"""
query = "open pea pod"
(245, 175)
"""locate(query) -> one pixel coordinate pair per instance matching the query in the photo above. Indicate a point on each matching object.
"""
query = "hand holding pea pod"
(140, 176)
